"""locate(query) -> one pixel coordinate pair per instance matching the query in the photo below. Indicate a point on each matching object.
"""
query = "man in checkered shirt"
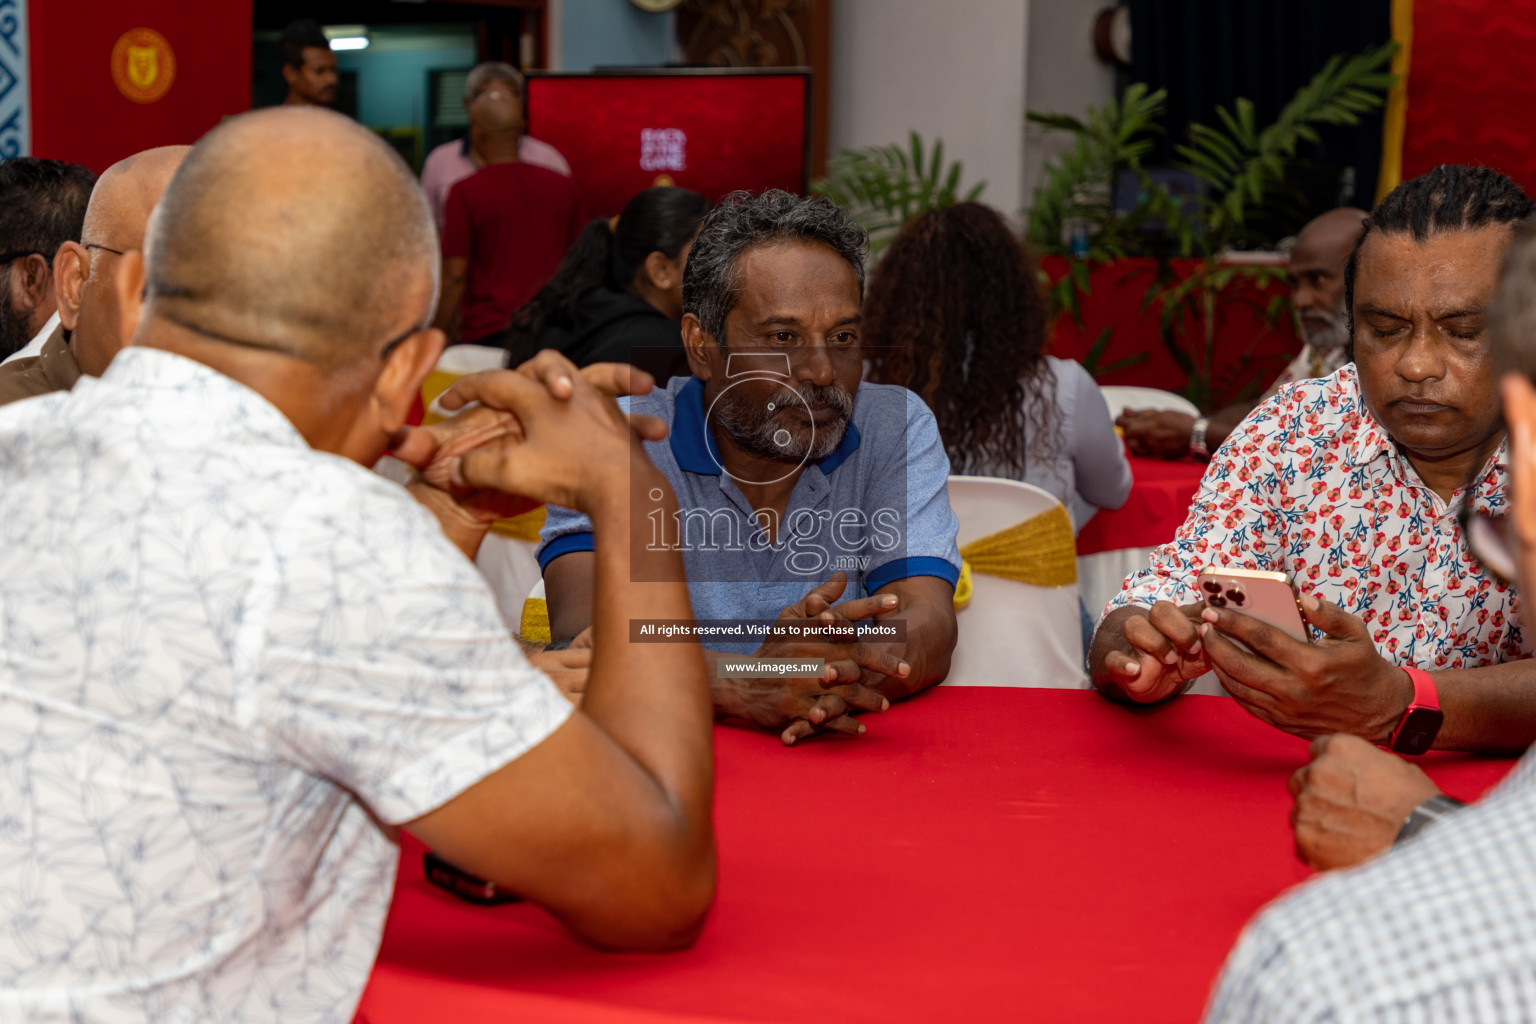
(1444, 928)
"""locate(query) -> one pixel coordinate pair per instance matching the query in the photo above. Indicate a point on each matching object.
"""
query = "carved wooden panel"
(765, 34)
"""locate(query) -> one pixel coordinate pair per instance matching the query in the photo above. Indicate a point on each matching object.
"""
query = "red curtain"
(113, 77)
(1470, 90)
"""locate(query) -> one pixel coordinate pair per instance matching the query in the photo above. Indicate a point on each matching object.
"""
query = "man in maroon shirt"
(505, 228)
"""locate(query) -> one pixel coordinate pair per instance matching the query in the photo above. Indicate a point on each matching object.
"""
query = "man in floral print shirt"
(1352, 484)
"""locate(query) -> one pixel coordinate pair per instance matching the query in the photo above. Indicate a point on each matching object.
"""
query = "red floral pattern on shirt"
(1312, 485)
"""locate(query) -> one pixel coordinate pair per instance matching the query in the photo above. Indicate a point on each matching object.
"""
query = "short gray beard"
(1332, 335)
(752, 428)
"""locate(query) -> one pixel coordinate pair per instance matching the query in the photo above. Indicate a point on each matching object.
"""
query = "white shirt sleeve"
(1098, 457)
(383, 664)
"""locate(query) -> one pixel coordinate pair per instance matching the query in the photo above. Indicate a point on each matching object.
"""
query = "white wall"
(1062, 74)
(952, 69)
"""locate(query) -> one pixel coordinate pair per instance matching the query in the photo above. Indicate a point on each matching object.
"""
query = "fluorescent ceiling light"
(347, 37)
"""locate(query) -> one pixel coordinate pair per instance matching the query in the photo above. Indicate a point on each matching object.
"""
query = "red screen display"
(709, 132)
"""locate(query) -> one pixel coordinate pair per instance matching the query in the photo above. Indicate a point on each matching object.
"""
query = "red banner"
(113, 77)
(1470, 91)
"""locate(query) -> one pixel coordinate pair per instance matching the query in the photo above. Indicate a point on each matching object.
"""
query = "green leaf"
(1061, 122)
(1096, 350)
(1120, 364)
(883, 187)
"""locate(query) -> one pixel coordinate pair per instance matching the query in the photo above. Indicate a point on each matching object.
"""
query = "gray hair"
(1512, 310)
(742, 221)
(488, 72)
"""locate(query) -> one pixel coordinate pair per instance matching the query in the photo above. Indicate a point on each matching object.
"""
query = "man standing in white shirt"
(454, 161)
(42, 206)
(236, 661)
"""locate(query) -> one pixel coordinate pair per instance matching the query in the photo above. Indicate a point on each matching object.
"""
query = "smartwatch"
(1420, 724)
(1197, 446)
(1430, 812)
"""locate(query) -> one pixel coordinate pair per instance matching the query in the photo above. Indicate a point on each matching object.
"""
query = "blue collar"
(693, 446)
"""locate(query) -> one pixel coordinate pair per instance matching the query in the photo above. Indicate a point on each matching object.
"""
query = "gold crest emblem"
(143, 65)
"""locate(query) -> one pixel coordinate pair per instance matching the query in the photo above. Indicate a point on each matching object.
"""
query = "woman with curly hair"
(955, 313)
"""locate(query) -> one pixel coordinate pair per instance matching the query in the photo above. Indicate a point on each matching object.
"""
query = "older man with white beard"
(1316, 264)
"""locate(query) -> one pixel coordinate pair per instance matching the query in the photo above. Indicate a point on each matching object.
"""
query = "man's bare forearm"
(653, 699)
(928, 649)
(1490, 710)
(725, 694)
(1224, 421)
(927, 607)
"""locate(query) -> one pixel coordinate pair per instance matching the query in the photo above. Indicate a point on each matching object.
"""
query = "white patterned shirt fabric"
(230, 665)
(1310, 484)
(1441, 929)
(1310, 362)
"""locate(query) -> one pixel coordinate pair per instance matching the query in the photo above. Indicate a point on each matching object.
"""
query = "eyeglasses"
(103, 248)
(1492, 541)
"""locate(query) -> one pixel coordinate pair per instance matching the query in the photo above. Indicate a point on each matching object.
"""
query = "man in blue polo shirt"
(797, 485)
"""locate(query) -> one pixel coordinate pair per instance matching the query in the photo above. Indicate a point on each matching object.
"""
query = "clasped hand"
(543, 433)
(825, 703)
(1340, 683)
(1351, 801)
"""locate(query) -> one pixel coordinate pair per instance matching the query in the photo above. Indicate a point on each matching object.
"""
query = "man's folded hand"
(802, 707)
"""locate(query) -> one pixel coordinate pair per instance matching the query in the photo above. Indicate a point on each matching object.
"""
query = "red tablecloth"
(1159, 502)
(981, 854)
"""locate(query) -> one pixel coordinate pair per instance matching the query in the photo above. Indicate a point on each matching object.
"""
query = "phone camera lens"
(1212, 587)
(1217, 601)
(1236, 597)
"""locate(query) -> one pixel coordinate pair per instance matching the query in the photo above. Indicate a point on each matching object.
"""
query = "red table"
(980, 854)
(1159, 501)
(1115, 544)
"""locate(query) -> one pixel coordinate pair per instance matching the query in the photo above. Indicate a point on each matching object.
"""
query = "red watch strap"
(1424, 693)
(1424, 713)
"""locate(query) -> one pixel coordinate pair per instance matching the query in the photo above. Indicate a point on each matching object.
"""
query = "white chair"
(1012, 634)
(1120, 397)
(511, 568)
(457, 361)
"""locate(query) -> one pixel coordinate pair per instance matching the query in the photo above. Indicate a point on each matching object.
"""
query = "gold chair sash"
(535, 625)
(524, 527)
(1040, 551)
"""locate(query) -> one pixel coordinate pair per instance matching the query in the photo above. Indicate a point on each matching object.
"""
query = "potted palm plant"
(1242, 168)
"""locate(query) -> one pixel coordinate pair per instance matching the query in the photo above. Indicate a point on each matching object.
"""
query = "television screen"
(711, 131)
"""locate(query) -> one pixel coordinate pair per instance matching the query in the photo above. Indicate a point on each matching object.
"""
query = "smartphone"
(1268, 596)
(463, 884)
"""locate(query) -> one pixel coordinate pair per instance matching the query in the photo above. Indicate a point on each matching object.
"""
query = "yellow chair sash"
(964, 586)
(1040, 551)
(524, 527)
(535, 625)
